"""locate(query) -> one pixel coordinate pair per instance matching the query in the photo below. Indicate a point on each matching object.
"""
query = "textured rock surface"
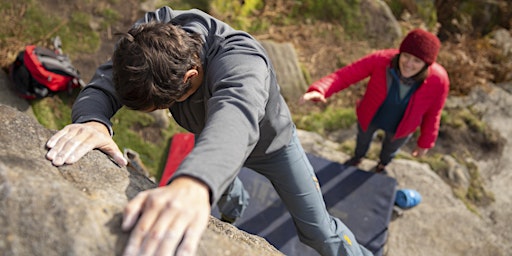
(76, 209)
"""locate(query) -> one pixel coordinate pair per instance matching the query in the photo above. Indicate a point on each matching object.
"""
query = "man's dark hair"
(149, 64)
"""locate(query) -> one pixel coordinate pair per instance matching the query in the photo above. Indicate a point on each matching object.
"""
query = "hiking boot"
(353, 162)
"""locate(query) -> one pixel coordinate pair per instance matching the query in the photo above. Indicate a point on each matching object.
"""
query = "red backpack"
(39, 72)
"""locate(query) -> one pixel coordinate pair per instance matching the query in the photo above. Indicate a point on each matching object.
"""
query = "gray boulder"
(77, 209)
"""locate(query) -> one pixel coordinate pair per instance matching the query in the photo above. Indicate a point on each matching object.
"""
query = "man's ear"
(190, 74)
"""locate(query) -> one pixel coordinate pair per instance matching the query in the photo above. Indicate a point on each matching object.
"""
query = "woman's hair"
(150, 62)
(420, 77)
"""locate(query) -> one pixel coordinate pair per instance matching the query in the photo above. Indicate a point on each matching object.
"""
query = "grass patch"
(78, 36)
(152, 152)
(474, 195)
(328, 120)
(464, 118)
(240, 14)
(346, 12)
(54, 112)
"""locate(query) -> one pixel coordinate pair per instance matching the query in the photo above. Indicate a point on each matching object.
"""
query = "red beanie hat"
(421, 44)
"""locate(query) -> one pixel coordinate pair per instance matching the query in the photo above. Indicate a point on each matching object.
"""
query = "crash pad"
(362, 200)
(180, 145)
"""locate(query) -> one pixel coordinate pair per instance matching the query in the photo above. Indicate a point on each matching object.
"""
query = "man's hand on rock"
(167, 220)
(75, 140)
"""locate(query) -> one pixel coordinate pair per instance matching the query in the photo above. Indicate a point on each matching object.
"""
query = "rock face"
(77, 209)
(287, 68)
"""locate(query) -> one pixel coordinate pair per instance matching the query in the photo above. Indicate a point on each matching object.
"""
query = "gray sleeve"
(98, 100)
(237, 104)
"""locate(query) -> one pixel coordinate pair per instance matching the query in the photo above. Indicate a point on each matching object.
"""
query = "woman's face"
(409, 64)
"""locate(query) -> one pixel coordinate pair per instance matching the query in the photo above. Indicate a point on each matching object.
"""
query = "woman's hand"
(312, 96)
(419, 152)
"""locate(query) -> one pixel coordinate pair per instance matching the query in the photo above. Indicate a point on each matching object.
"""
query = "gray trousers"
(295, 181)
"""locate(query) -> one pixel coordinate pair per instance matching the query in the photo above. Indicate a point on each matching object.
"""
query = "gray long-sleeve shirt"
(237, 113)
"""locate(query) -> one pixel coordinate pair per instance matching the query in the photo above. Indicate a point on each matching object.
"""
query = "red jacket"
(424, 108)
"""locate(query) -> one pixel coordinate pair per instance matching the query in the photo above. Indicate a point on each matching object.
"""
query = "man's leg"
(294, 179)
(233, 201)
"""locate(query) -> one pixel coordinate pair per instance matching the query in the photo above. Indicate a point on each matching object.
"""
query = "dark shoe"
(353, 161)
(380, 168)
(227, 219)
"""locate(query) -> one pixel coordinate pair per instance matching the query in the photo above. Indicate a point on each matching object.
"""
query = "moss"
(110, 15)
(54, 112)
(436, 163)
(240, 14)
(345, 12)
(425, 10)
(328, 120)
(477, 193)
(37, 26)
(80, 33)
(464, 118)
(152, 153)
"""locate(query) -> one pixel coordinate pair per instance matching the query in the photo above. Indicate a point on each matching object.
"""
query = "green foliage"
(36, 26)
(237, 8)
(152, 153)
(239, 14)
(345, 12)
(436, 163)
(396, 6)
(203, 5)
(428, 13)
(79, 35)
(464, 119)
(53, 112)
(110, 15)
(425, 10)
(328, 120)
(476, 192)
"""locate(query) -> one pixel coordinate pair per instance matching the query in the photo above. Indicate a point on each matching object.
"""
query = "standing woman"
(407, 89)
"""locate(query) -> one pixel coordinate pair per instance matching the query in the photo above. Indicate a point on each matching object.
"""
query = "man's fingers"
(113, 151)
(156, 225)
(173, 235)
(163, 231)
(131, 215)
(192, 237)
(169, 243)
(56, 137)
(75, 140)
(63, 151)
(169, 216)
(132, 211)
